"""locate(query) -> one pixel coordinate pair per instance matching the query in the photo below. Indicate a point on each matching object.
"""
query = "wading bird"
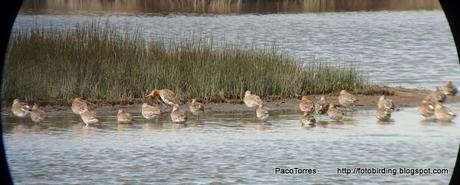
(178, 116)
(308, 120)
(306, 105)
(196, 108)
(79, 105)
(321, 106)
(383, 114)
(346, 99)
(88, 117)
(334, 113)
(439, 95)
(262, 112)
(150, 111)
(20, 109)
(252, 100)
(426, 107)
(450, 89)
(443, 113)
(385, 104)
(124, 117)
(166, 95)
(36, 114)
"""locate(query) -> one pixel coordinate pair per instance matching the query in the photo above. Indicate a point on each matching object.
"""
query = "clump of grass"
(96, 62)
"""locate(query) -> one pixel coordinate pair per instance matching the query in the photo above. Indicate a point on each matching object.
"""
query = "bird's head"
(153, 93)
(247, 93)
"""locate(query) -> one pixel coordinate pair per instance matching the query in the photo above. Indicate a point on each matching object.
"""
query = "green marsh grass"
(93, 61)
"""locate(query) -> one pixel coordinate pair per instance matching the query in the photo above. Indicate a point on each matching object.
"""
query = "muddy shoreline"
(402, 97)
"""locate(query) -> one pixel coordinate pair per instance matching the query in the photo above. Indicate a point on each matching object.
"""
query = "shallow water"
(406, 48)
(227, 148)
(411, 49)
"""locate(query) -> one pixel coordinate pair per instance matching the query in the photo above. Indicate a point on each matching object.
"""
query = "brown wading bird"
(178, 116)
(36, 114)
(386, 104)
(321, 106)
(439, 95)
(20, 109)
(196, 107)
(334, 113)
(346, 99)
(124, 117)
(307, 106)
(308, 120)
(150, 111)
(383, 114)
(443, 113)
(426, 108)
(78, 106)
(166, 95)
(262, 112)
(252, 100)
(88, 117)
(450, 89)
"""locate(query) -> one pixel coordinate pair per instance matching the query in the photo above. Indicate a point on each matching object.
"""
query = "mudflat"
(402, 97)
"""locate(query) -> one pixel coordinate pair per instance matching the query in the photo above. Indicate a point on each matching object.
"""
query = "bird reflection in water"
(83, 130)
(178, 125)
(152, 125)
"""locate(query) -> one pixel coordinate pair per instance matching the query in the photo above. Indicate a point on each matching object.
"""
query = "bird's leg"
(159, 101)
(163, 103)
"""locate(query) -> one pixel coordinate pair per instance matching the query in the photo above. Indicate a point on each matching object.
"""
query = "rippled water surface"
(411, 49)
(227, 148)
(408, 48)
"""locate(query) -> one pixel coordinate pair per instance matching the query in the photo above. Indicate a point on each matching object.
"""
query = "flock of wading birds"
(430, 107)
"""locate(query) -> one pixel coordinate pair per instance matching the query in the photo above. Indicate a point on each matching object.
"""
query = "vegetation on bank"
(96, 62)
(229, 6)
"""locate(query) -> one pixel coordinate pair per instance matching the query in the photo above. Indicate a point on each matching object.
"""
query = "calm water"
(227, 148)
(408, 48)
(411, 49)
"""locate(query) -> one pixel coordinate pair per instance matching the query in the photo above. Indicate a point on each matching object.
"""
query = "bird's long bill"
(25, 109)
(151, 94)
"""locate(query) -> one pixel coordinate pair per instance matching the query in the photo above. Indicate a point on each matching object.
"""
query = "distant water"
(224, 6)
(400, 48)
(228, 149)
(408, 48)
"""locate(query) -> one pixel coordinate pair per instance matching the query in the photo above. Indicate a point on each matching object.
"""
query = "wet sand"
(402, 97)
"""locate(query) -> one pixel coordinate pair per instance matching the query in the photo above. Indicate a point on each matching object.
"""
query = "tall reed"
(94, 61)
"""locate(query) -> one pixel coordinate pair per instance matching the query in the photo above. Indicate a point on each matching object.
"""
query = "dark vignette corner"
(450, 9)
(10, 9)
